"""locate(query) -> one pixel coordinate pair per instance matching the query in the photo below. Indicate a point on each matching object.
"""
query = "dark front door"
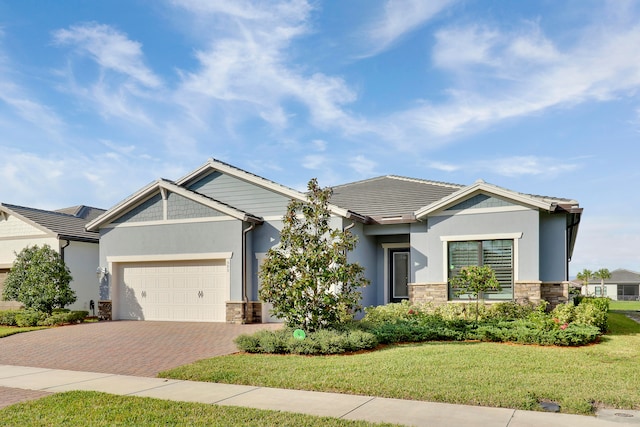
(398, 274)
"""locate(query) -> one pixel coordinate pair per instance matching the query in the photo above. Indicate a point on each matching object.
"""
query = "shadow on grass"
(621, 324)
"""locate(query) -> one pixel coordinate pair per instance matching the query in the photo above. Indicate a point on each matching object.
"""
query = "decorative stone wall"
(532, 291)
(105, 310)
(428, 292)
(235, 311)
(555, 293)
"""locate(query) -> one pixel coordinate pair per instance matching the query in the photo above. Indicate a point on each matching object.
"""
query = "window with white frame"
(497, 254)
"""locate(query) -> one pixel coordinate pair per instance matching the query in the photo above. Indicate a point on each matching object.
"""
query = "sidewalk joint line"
(357, 407)
(513, 413)
(237, 394)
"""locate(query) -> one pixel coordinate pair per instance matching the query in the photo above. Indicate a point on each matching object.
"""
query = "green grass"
(624, 305)
(81, 408)
(487, 374)
(5, 331)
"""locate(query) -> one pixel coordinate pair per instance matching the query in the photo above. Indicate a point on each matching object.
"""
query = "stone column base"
(105, 309)
(237, 314)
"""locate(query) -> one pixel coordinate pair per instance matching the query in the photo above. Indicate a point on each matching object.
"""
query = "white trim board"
(169, 257)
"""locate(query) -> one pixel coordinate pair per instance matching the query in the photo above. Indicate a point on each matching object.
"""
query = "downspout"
(62, 248)
(245, 298)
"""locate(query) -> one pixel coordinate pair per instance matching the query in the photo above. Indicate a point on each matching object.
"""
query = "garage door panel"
(184, 290)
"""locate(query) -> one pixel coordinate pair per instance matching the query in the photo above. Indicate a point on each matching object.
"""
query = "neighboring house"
(64, 231)
(191, 249)
(623, 285)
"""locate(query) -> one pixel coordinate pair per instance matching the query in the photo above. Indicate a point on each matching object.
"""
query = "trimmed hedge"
(324, 341)
(28, 318)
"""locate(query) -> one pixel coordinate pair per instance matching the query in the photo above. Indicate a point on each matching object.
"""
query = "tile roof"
(64, 224)
(390, 195)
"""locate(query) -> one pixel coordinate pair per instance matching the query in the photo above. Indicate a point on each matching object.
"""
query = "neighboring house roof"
(82, 211)
(62, 224)
(390, 197)
(618, 276)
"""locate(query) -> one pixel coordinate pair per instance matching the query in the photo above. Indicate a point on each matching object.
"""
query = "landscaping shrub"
(591, 311)
(592, 314)
(8, 317)
(63, 317)
(324, 341)
(28, 318)
(527, 332)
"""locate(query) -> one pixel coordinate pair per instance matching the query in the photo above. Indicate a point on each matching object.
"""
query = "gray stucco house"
(190, 250)
(64, 231)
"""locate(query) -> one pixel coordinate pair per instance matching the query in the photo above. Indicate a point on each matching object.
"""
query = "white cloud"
(246, 66)
(601, 66)
(514, 166)
(398, 18)
(110, 48)
(362, 165)
(443, 166)
(525, 165)
(314, 161)
(319, 145)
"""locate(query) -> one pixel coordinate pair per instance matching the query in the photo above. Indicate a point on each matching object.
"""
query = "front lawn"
(5, 331)
(79, 408)
(624, 305)
(487, 374)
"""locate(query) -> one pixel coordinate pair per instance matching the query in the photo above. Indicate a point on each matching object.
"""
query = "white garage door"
(173, 290)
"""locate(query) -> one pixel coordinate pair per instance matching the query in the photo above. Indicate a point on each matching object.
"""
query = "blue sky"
(99, 98)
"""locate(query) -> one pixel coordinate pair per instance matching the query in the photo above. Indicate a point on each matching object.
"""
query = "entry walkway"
(374, 409)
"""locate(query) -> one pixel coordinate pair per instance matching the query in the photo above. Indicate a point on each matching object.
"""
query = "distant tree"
(585, 277)
(602, 275)
(306, 277)
(475, 281)
(40, 280)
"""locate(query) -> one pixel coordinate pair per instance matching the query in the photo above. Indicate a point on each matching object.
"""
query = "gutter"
(62, 248)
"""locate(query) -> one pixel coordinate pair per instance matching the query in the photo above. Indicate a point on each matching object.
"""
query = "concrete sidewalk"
(374, 409)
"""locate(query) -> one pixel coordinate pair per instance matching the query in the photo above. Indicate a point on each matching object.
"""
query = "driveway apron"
(140, 348)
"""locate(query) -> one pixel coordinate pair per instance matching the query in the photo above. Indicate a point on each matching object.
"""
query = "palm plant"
(602, 275)
(585, 276)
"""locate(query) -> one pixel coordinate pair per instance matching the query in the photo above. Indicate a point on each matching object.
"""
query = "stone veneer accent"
(428, 292)
(105, 310)
(532, 291)
(235, 311)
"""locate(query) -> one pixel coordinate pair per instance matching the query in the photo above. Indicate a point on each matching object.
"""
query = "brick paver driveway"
(122, 347)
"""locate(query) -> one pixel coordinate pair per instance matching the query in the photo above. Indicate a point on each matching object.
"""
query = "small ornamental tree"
(40, 280)
(474, 281)
(306, 277)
